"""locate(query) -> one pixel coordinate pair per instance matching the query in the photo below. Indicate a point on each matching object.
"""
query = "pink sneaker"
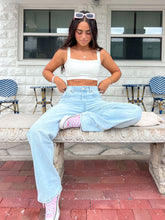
(70, 122)
(52, 209)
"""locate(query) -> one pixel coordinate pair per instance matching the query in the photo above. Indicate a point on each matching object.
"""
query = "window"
(136, 35)
(44, 32)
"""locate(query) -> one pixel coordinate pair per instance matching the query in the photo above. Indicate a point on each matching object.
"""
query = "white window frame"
(21, 34)
(137, 62)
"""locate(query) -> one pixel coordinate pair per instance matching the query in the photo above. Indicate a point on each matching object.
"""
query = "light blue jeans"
(95, 115)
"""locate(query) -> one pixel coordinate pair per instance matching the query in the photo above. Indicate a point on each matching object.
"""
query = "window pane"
(122, 22)
(36, 21)
(60, 20)
(148, 22)
(136, 48)
(47, 21)
(41, 47)
(136, 22)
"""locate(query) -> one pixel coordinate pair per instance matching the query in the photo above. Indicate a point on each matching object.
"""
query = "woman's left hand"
(103, 86)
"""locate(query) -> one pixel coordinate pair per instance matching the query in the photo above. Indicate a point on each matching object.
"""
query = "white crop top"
(82, 69)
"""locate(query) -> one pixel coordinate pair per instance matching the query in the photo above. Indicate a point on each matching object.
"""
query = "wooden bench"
(14, 128)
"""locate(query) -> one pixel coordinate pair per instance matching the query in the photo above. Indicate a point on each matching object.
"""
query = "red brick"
(75, 204)
(4, 212)
(138, 179)
(117, 195)
(126, 214)
(26, 173)
(8, 173)
(10, 193)
(89, 165)
(141, 214)
(100, 186)
(89, 195)
(28, 165)
(105, 204)
(31, 214)
(111, 164)
(5, 186)
(133, 186)
(69, 164)
(14, 179)
(79, 164)
(148, 194)
(14, 202)
(21, 186)
(31, 194)
(94, 214)
(157, 214)
(101, 164)
(135, 204)
(17, 165)
(30, 179)
(67, 194)
(87, 179)
(132, 164)
(121, 165)
(75, 186)
(78, 214)
(112, 179)
(65, 214)
(33, 203)
(7, 165)
(109, 194)
(15, 214)
(157, 203)
(109, 215)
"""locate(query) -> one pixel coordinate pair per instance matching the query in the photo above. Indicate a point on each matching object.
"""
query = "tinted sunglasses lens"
(79, 15)
(90, 16)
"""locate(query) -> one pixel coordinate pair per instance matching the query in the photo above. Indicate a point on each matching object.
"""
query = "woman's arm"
(58, 60)
(111, 66)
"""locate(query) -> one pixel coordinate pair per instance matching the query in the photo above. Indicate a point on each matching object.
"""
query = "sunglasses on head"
(80, 15)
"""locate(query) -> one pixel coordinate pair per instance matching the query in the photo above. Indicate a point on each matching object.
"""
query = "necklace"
(84, 56)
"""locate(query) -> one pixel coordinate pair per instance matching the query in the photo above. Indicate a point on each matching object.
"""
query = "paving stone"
(105, 204)
(141, 214)
(135, 204)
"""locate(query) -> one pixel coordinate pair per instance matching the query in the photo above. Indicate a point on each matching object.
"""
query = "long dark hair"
(71, 40)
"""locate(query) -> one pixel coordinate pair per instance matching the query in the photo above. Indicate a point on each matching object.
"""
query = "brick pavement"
(92, 190)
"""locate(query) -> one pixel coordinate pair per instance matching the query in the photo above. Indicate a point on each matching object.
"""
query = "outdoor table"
(43, 101)
(138, 99)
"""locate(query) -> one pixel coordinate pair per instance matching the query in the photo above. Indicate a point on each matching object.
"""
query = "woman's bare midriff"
(81, 82)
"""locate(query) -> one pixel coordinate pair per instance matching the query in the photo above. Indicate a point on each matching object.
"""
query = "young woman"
(81, 104)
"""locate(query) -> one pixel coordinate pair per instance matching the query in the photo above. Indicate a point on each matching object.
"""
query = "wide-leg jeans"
(95, 115)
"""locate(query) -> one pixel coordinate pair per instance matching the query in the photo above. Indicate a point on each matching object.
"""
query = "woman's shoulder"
(60, 54)
(104, 54)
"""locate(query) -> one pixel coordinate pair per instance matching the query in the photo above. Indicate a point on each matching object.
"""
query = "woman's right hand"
(61, 85)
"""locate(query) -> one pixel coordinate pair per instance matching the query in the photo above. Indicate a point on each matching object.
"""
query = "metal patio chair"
(8, 92)
(157, 87)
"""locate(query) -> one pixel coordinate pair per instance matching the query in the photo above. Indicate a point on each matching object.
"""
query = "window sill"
(31, 62)
(135, 63)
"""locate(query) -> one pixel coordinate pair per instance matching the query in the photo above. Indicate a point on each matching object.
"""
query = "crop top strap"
(98, 55)
(68, 53)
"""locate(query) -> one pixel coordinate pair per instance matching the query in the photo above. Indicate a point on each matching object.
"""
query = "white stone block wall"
(27, 75)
